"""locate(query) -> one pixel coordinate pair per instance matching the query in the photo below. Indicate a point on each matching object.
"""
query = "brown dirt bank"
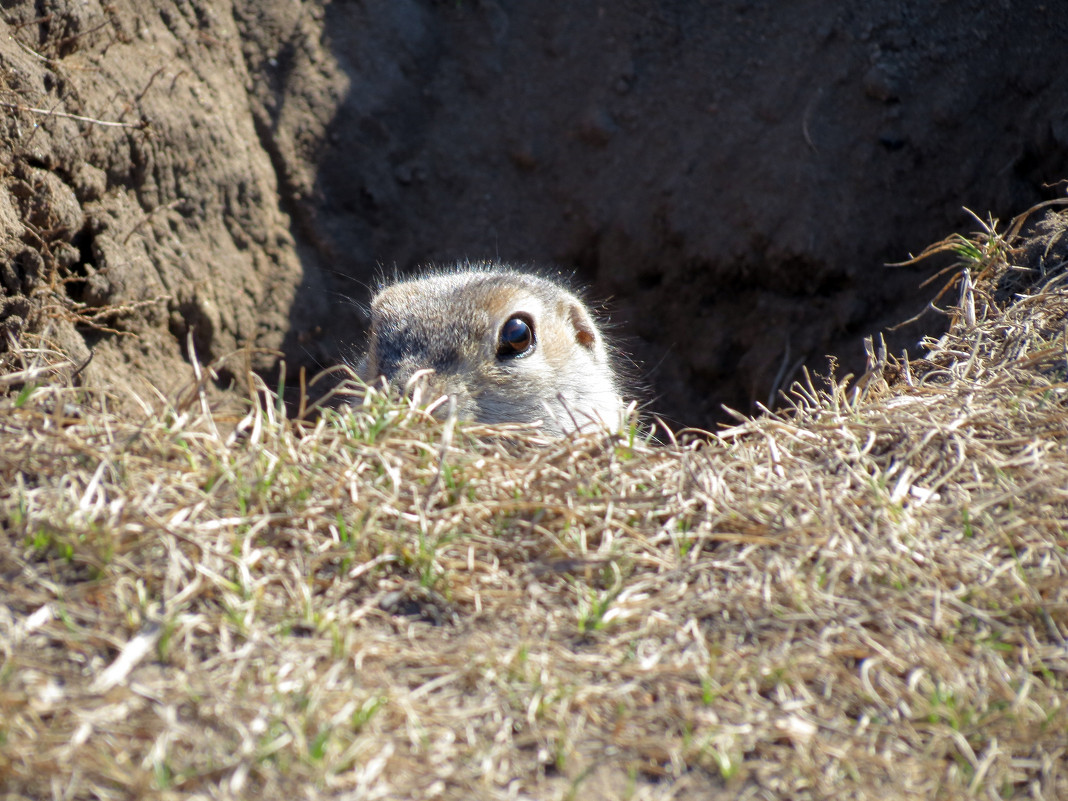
(731, 177)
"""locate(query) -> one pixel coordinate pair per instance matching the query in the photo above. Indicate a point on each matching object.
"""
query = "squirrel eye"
(516, 338)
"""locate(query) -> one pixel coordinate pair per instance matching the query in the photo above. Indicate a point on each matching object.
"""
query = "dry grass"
(864, 596)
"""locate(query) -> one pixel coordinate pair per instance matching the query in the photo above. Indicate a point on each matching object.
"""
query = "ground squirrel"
(506, 346)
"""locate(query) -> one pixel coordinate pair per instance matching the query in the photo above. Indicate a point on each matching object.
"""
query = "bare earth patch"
(864, 596)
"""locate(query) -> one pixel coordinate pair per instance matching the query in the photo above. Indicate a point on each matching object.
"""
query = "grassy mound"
(863, 596)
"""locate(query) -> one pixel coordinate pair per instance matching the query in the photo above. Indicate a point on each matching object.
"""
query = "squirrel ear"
(585, 331)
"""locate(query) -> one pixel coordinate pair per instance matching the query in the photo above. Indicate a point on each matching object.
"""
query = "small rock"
(882, 82)
(597, 128)
(90, 183)
(97, 291)
(48, 204)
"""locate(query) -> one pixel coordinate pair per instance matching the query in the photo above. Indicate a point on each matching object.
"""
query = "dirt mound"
(860, 597)
(730, 178)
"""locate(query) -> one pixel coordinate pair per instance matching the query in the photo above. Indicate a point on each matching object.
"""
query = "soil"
(730, 179)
